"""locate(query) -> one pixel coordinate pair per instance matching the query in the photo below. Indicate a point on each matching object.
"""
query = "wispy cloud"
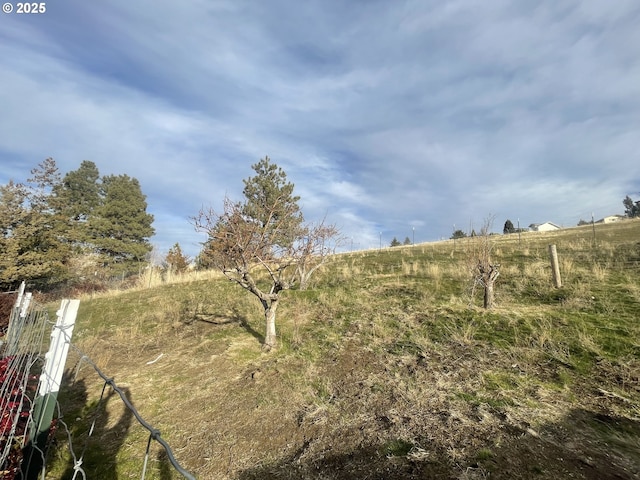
(388, 117)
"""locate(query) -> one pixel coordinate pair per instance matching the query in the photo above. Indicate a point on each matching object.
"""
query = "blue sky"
(387, 116)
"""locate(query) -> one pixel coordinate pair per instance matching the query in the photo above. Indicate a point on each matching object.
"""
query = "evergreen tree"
(395, 242)
(13, 216)
(458, 234)
(31, 233)
(270, 202)
(508, 227)
(407, 241)
(76, 197)
(632, 209)
(45, 178)
(43, 219)
(176, 261)
(120, 227)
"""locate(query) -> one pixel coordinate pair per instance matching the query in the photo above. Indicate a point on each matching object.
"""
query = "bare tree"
(262, 244)
(319, 243)
(485, 270)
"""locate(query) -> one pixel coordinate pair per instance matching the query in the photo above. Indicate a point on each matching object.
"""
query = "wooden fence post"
(555, 268)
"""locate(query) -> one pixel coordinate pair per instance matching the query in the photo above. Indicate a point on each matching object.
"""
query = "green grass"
(390, 353)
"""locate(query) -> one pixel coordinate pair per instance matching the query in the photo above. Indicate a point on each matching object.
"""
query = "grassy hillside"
(387, 369)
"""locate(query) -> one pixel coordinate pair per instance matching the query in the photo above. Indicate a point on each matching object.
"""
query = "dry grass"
(384, 371)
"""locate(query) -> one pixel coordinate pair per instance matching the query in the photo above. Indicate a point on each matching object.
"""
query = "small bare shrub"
(485, 271)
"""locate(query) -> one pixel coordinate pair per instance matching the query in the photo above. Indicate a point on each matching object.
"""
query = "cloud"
(387, 117)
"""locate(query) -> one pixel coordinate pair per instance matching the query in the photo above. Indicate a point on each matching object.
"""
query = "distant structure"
(544, 227)
(612, 219)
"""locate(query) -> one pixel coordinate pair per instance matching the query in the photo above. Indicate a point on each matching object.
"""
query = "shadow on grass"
(236, 317)
(244, 324)
(166, 470)
(96, 446)
(106, 441)
(584, 445)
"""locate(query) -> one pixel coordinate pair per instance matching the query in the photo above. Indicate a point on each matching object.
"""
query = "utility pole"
(454, 237)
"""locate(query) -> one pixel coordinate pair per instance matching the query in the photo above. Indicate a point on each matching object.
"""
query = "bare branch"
(483, 270)
(266, 232)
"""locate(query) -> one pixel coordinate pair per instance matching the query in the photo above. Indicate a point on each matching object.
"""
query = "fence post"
(49, 386)
(555, 268)
(20, 293)
(16, 320)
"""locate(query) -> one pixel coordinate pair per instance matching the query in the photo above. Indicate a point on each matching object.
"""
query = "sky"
(392, 118)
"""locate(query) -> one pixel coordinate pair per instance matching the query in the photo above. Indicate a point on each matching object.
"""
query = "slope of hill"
(387, 369)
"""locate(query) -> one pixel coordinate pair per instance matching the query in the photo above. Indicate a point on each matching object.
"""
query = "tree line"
(56, 230)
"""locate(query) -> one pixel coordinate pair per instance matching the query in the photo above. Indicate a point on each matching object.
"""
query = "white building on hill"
(611, 219)
(544, 227)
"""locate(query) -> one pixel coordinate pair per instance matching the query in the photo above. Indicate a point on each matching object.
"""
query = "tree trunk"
(488, 294)
(488, 280)
(270, 308)
(304, 282)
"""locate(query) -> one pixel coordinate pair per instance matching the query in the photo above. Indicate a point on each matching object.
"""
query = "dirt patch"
(389, 417)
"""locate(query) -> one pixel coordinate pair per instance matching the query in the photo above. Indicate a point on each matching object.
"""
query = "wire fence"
(21, 357)
(154, 434)
(21, 362)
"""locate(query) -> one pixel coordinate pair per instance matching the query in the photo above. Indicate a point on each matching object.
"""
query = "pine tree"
(76, 197)
(14, 215)
(31, 232)
(508, 227)
(632, 209)
(120, 227)
(395, 242)
(270, 202)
